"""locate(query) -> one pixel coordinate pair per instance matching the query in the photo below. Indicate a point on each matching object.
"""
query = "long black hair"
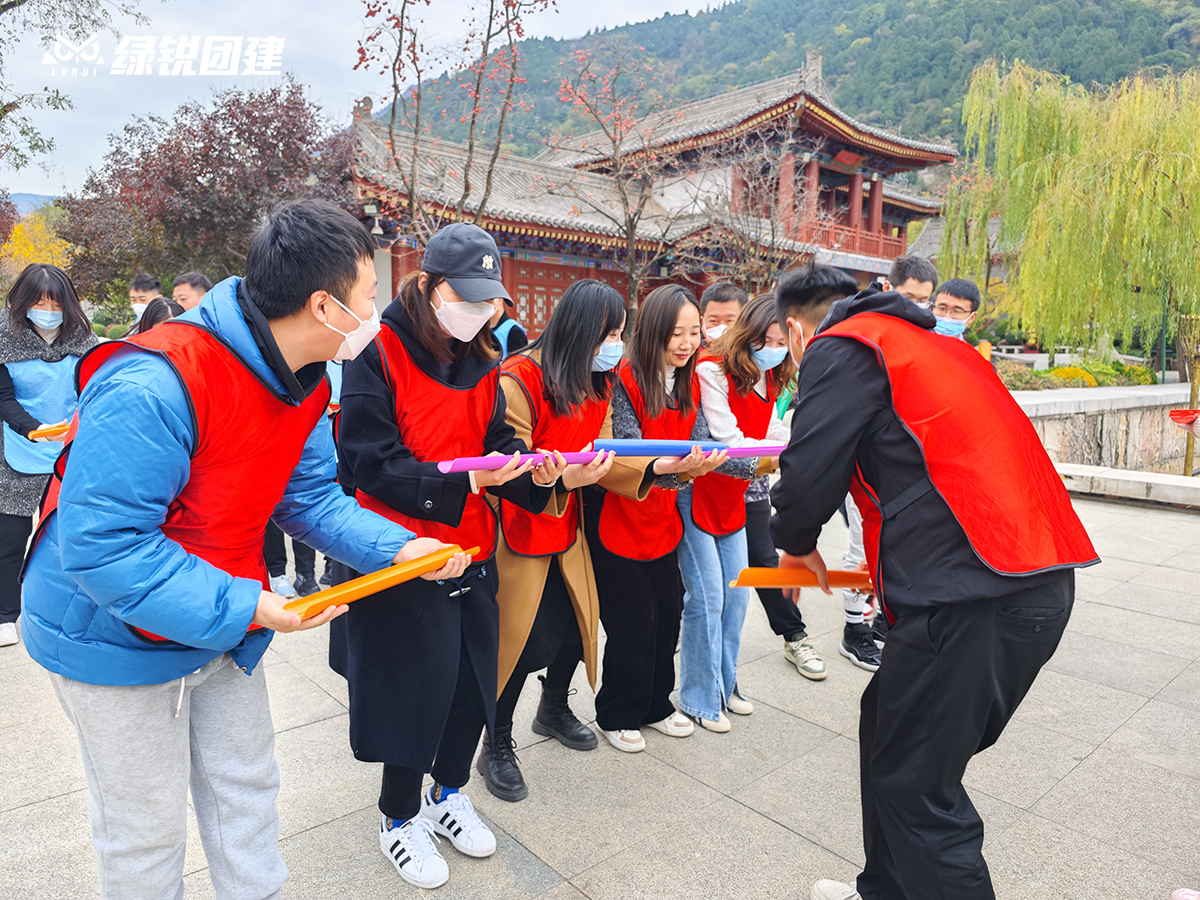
(39, 280)
(653, 331)
(157, 311)
(587, 311)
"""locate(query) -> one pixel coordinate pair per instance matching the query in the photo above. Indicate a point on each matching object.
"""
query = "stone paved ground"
(1092, 792)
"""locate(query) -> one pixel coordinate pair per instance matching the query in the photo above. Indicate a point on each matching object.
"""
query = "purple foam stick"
(483, 463)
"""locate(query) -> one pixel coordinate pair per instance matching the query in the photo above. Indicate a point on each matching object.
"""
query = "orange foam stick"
(315, 604)
(800, 578)
(49, 431)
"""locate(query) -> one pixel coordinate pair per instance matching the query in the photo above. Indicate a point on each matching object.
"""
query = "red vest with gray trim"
(981, 453)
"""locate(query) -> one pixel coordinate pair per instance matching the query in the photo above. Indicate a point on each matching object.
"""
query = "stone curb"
(1123, 484)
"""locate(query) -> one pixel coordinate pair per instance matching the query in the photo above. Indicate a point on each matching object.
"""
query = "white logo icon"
(65, 51)
(488, 261)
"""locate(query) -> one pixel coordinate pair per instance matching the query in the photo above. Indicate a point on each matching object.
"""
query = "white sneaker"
(738, 704)
(674, 725)
(804, 656)
(456, 819)
(834, 890)
(281, 586)
(720, 725)
(410, 848)
(8, 634)
(628, 740)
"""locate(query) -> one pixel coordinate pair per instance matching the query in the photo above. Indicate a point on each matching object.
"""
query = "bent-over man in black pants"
(971, 541)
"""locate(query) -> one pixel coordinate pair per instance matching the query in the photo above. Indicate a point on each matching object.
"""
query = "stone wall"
(1115, 427)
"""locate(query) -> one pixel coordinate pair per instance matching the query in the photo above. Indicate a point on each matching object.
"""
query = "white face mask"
(138, 309)
(715, 332)
(462, 320)
(356, 341)
(802, 347)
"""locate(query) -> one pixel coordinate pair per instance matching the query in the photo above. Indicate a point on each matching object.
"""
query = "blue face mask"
(45, 318)
(950, 327)
(767, 359)
(608, 356)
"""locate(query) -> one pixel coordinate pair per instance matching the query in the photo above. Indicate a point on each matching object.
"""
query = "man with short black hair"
(955, 305)
(720, 305)
(145, 590)
(142, 289)
(971, 543)
(189, 289)
(913, 277)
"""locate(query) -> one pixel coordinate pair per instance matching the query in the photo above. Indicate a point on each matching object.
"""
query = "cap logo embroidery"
(488, 261)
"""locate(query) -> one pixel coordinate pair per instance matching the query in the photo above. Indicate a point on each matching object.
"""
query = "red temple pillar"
(875, 210)
(812, 191)
(785, 200)
(856, 184)
(829, 201)
(737, 190)
(405, 259)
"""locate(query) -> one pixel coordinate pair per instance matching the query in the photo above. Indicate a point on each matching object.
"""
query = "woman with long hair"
(557, 395)
(634, 542)
(157, 311)
(741, 374)
(421, 658)
(43, 332)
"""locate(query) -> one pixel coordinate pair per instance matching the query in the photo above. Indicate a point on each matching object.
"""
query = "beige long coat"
(523, 578)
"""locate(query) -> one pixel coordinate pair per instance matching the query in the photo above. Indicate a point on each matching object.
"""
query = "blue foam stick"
(655, 447)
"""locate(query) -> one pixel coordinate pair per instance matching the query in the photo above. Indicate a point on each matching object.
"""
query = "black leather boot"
(497, 764)
(555, 719)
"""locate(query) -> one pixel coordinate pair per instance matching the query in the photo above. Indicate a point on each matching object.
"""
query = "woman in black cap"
(420, 658)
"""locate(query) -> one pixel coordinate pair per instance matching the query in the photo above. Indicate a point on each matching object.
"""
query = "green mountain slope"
(900, 64)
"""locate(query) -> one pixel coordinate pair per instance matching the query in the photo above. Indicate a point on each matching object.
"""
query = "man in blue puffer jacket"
(145, 579)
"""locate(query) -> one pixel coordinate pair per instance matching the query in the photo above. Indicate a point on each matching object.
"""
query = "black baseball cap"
(466, 256)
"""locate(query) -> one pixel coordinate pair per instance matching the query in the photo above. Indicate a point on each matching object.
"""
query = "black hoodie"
(926, 557)
(373, 457)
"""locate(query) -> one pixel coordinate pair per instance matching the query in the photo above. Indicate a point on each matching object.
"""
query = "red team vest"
(545, 535)
(439, 422)
(719, 501)
(650, 528)
(1005, 493)
(248, 442)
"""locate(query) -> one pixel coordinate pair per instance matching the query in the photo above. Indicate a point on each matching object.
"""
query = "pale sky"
(320, 49)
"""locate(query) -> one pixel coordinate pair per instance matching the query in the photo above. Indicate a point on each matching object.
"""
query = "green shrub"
(1139, 375)
(112, 332)
(98, 328)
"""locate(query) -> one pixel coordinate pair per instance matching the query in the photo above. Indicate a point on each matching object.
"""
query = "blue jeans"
(713, 613)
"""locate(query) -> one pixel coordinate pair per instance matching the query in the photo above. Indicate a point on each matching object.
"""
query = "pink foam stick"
(485, 463)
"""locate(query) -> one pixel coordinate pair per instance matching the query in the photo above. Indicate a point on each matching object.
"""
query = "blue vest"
(47, 391)
(502, 332)
(334, 371)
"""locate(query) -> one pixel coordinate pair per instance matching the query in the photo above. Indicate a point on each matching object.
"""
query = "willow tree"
(1098, 191)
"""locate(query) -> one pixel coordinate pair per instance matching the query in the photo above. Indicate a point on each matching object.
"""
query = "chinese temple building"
(826, 196)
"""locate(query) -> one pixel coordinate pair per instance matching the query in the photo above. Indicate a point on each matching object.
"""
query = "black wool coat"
(399, 650)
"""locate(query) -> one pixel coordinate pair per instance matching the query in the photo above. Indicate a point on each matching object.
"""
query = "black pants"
(276, 554)
(952, 676)
(14, 534)
(400, 793)
(554, 644)
(640, 607)
(782, 613)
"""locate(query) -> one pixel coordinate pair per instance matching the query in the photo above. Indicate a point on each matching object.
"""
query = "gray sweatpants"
(139, 759)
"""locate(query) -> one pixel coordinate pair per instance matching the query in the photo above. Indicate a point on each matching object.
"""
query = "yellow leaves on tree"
(33, 241)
